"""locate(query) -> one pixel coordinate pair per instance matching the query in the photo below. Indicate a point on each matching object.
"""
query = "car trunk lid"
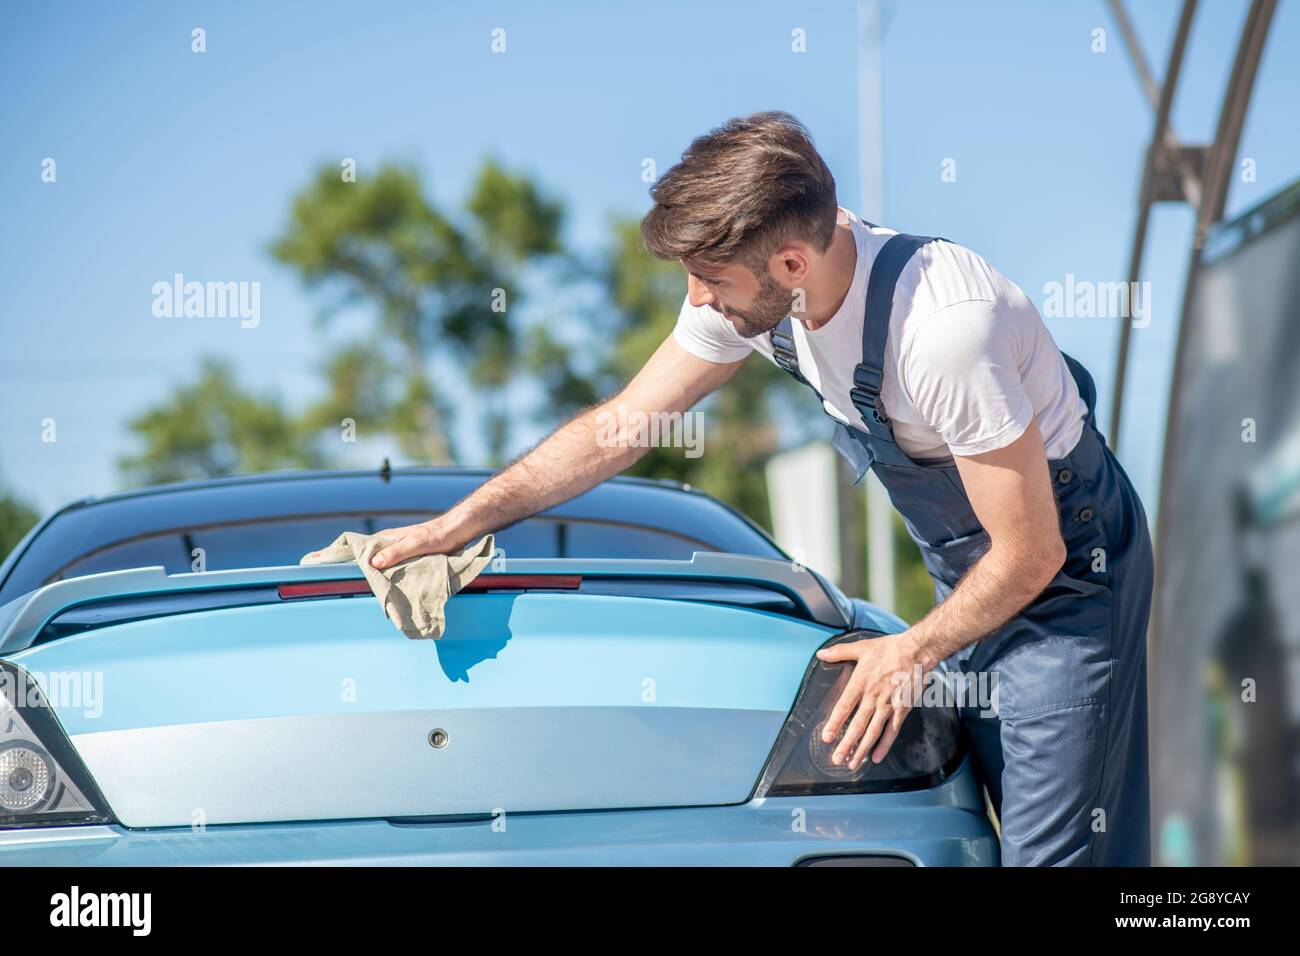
(536, 699)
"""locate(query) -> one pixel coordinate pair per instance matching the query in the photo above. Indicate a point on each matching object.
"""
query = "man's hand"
(884, 665)
(413, 540)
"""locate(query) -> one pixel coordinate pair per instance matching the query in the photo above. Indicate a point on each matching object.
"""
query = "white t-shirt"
(968, 360)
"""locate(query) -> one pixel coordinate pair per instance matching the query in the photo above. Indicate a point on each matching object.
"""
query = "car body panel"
(320, 709)
(940, 826)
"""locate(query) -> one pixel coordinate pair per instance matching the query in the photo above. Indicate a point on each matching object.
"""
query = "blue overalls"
(1065, 755)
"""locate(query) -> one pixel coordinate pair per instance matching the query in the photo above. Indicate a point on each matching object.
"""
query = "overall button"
(1064, 476)
(1085, 514)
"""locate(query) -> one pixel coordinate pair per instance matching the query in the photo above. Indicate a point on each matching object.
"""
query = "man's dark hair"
(741, 191)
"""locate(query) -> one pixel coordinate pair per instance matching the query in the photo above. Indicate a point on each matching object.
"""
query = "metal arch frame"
(1166, 175)
(1197, 175)
(1219, 163)
(1163, 145)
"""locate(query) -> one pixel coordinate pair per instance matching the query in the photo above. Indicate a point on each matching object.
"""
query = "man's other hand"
(872, 697)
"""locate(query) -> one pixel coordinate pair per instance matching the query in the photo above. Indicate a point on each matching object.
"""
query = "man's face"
(753, 304)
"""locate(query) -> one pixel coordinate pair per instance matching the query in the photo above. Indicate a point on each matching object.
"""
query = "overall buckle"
(865, 393)
(781, 341)
(868, 379)
(785, 361)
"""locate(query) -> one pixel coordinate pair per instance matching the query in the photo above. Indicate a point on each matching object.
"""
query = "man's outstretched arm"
(568, 462)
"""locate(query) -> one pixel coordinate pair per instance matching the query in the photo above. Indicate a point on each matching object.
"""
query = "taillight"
(927, 750)
(42, 780)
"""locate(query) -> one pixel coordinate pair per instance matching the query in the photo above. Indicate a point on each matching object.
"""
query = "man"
(942, 377)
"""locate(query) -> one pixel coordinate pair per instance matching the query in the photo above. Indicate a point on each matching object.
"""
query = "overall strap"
(1087, 387)
(869, 374)
(851, 448)
(783, 352)
(782, 341)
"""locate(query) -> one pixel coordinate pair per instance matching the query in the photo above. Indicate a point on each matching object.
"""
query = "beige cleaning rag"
(414, 592)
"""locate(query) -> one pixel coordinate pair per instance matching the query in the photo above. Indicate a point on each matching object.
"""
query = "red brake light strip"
(484, 582)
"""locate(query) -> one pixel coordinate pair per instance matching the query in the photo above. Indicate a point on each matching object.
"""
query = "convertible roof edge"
(23, 618)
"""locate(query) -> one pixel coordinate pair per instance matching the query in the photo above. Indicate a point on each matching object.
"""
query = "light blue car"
(632, 682)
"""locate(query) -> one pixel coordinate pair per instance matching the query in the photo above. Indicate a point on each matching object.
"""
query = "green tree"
(16, 519)
(211, 428)
(437, 285)
(362, 385)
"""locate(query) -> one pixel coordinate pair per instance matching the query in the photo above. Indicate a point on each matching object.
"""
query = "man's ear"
(790, 264)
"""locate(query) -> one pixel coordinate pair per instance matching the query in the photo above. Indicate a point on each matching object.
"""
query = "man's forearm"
(568, 462)
(997, 588)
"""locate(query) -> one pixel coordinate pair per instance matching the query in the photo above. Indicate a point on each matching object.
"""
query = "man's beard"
(770, 306)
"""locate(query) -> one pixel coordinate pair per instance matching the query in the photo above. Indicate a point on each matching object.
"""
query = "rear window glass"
(285, 541)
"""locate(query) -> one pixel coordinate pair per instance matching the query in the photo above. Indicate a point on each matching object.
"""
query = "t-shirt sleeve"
(961, 371)
(707, 335)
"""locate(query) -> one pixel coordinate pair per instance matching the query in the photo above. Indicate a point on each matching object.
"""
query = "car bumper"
(940, 826)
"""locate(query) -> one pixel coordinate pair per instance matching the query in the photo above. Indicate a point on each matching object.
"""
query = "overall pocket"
(851, 450)
(948, 560)
(1055, 653)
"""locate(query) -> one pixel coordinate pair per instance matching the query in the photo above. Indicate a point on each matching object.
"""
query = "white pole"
(871, 206)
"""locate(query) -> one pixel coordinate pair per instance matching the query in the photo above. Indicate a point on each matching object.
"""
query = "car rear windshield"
(284, 541)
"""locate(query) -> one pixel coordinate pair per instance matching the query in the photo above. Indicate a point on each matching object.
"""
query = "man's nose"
(697, 292)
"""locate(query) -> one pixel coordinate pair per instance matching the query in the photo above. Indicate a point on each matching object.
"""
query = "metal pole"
(871, 202)
(1223, 155)
(1162, 98)
(1219, 166)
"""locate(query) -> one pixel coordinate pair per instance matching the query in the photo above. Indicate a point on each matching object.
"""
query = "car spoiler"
(22, 620)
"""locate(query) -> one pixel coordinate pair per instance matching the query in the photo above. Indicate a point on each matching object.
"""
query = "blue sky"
(170, 161)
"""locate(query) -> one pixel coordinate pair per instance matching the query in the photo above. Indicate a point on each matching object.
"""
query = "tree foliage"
(16, 519)
(437, 284)
(214, 427)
